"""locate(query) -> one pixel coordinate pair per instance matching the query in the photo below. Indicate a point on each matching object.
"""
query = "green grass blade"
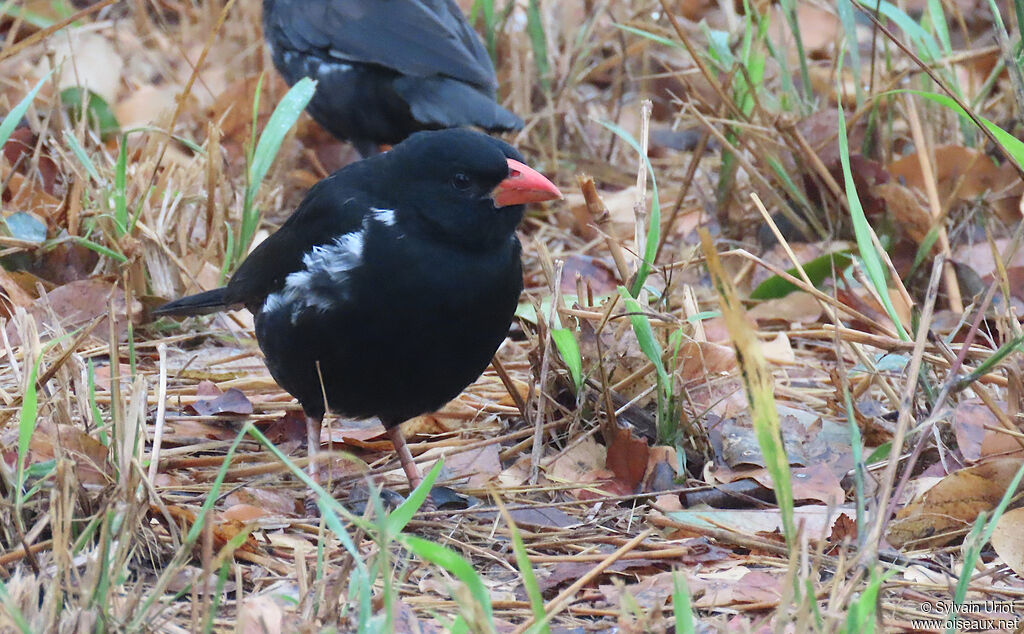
(329, 507)
(848, 19)
(667, 424)
(1011, 144)
(526, 571)
(681, 605)
(486, 7)
(13, 117)
(281, 121)
(455, 564)
(13, 611)
(28, 416)
(651, 36)
(83, 158)
(539, 42)
(397, 519)
(120, 194)
(928, 48)
(99, 248)
(977, 539)
(862, 231)
(760, 388)
(654, 221)
(565, 341)
(789, 10)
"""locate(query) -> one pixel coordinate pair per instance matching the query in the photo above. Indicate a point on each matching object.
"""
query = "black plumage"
(386, 68)
(391, 286)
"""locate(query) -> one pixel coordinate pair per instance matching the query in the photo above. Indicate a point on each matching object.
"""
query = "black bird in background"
(389, 289)
(386, 68)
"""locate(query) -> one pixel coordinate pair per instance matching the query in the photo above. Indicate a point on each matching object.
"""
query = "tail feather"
(199, 304)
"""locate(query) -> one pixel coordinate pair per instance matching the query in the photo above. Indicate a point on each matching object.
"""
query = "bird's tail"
(199, 304)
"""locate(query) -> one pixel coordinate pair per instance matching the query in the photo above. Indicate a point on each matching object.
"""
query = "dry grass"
(103, 527)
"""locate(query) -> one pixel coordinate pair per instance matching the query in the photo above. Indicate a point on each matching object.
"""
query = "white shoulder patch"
(383, 216)
(326, 69)
(335, 259)
(323, 281)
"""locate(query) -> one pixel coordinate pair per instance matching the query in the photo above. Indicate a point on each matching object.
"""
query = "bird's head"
(464, 187)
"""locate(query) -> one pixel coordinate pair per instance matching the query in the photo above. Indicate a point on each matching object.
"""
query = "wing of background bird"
(318, 220)
(421, 38)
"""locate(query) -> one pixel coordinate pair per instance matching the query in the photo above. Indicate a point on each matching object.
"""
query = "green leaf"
(565, 341)
(817, 271)
(83, 102)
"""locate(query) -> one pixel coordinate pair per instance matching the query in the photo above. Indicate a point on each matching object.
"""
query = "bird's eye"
(460, 181)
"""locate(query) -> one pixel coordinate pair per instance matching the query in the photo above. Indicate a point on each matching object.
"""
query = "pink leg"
(313, 445)
(405, 458)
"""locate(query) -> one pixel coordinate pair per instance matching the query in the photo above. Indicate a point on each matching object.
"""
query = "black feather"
(386, 68)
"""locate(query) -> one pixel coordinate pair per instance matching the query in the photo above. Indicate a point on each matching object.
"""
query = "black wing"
(421, 38)
(329, 210)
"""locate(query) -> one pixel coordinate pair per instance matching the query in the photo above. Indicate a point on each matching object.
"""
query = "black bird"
(386, 68)
(389, 289)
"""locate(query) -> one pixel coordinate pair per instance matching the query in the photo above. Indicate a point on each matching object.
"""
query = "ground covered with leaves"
(765, 375)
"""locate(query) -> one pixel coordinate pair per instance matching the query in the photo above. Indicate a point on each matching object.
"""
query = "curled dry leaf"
(260, 614)
(12, 294)
(244, 513)
(77, 303)
(977, 432)
(979, 254)
(703, 358)
(649, 593)
(594, 273)
(584, 457)
(978, 172)
(88, 454)
(267, 499)
(908, 210)
(233, 401)
(778, 350)
(934, 518)
(627, 458)
(1008, 540)
(796, 308)
(479, 465)
(726, 588)
(223, 532)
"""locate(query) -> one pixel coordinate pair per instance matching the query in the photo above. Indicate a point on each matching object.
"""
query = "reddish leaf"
(627, 458)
